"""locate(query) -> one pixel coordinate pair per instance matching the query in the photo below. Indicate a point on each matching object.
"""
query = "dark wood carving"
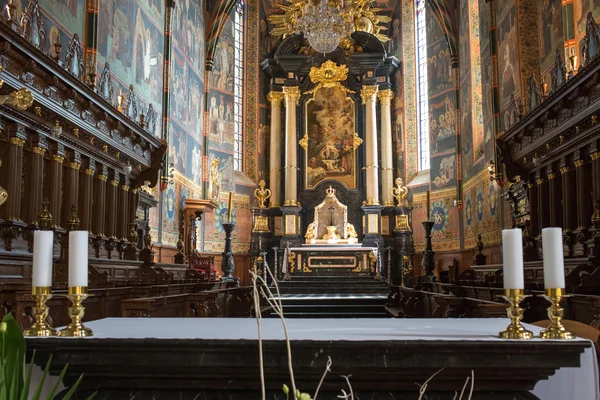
(105, 86)
(131, 109)
(151, 117)
(591, 41)
(74, 57)
(559, 72)
(33, 25)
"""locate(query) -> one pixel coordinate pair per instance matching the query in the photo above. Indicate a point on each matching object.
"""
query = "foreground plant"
(15, 383)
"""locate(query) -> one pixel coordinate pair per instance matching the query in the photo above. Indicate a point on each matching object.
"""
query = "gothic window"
(423, 106)
(238, 90)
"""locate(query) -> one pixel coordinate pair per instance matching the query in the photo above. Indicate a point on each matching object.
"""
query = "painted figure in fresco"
(214, 187)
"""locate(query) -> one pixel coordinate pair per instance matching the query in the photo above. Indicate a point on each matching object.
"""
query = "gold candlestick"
(77, 294)
(229, 207)
(555, 330)
(515, 330)
(40, 327)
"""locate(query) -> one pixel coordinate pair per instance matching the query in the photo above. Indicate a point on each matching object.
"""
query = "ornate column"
(368, 94)
(70, 186)
(54, 181)
(86, 191)
(554, 198)
(595, 157)
(34, 177)
(13, 165)
(569, 205)
(275, 99)
(584, 208)
(543, 202)
(111, 205)
(132, 236)
(533, 205)
(292, 95)
(123, 214)
(387, 163)
(99, 215)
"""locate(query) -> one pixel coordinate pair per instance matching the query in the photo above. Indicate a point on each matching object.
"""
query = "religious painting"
(188, 27)
(443, 171)
(148, 58)
(68, 13)
(116, 26)
(179, 87)
(195, 105)
(440, 218)
(194, 160)
(439, 77)
(442, 125)
(508, 64)
(220, 125)
(330, 128)
(221, 76)
(177, 146)
(468, 214)
(394, 43)
(585, 7)
(225, 169)
(154, 8)
(550, 31)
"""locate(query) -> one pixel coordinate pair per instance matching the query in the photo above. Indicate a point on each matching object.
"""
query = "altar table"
(342, 258)
(217, 358)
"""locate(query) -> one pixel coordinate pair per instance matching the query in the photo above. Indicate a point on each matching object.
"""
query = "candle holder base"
(77, 294)
(515, 330)
(556, 329)
(40, 327)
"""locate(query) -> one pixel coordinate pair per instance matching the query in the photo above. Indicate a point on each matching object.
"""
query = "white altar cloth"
(568, 383)
(324, 248)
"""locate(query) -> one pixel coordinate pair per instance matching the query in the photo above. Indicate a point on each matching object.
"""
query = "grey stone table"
(216, 359)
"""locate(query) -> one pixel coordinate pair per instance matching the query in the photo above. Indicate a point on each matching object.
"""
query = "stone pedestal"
(292, 236)
(372, 226)
(227, 265)
(402, 241)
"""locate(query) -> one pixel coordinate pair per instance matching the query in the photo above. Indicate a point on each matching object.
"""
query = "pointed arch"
(444, 17)
(216, 22)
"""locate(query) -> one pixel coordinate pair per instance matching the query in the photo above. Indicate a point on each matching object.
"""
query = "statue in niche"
(559, 73)
(400, 193)
(533, 94)
(105, 86)
(214, 182)
(131, 105)
(262, 194)
(74, 58)
(151, 120)
(33, 25)
(590, 45)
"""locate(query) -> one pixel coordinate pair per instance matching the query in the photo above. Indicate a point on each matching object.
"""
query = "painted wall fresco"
(486, 82)
(467, 102)
(446, 229)
(508, 57)
(482, 211)
(550, 33)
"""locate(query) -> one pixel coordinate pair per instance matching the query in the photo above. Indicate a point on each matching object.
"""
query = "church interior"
(280, 199)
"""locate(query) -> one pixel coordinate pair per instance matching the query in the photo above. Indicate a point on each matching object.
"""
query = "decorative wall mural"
(443, 171)
(508, 64)
(550, 32)
(442, 124)
(330, 126)
(220, 120)
(440, 218)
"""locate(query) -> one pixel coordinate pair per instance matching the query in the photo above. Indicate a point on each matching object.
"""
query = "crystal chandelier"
(325, 23)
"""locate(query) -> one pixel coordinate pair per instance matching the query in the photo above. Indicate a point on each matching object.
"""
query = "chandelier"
(324, 25)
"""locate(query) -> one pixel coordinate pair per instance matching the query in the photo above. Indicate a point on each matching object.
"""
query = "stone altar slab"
(218, 359)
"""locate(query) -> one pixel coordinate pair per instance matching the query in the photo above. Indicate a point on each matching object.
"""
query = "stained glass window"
(238, 90)
(423, 106)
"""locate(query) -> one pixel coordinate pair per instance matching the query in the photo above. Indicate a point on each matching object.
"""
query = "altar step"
(333, 297)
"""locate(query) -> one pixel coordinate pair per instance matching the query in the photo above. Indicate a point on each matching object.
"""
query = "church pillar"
(569, 206)
(595, 157)
(53, 188)
(292, 95)
(123, 227)
(99, 221)
(111, 206)
(70, 187)
(387, 163)
(368, 94)
(543, 202)
(86, 182)
(14, 170)
(584, 208)
(34, 178)
(275, 148)
(554, 198)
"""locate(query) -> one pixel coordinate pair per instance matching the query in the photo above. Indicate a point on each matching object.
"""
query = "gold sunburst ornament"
(329, 75)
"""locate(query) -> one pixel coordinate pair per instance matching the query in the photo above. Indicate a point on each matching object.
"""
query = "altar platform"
(217, 359)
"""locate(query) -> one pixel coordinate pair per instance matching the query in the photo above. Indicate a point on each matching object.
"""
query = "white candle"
(43, 244)
(78, 258)
(512, 259)
(554, 267)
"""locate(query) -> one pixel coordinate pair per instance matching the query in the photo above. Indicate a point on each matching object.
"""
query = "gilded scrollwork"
(304, 142)
(329, 75)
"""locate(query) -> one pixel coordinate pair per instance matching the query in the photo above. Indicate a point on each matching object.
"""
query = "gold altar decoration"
(304, 142)
(40, 327)
(329, 75)
(261, 194)
(357, 141)
(556, 329)
(21, 99)
(77, 295)
(214, 181)
(372, 261)
(368, 93)
(331, 233)
(364, 18)
(350, 231)
(292, 93)
(515, 330)
(402, 224)
(291, 259)
(400, 193)
(331, 222)
(311, 231)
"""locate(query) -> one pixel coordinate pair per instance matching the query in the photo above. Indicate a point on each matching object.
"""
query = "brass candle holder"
(77, 294)
(40, 327)
(555, 330)
(515, 330)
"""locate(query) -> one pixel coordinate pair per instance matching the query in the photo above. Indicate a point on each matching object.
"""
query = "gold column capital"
(551, 176)
(89, 171)
(595, 156)
(564, 170)
(385, 97)
(39, 150)
(579, 163)
(367, 93)
(292, 94)
(114, 183)
(125, 188)
(58, 158)
(75, 165)
(17, 141)
(275, 98)
(539, 181)
(102, 178)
